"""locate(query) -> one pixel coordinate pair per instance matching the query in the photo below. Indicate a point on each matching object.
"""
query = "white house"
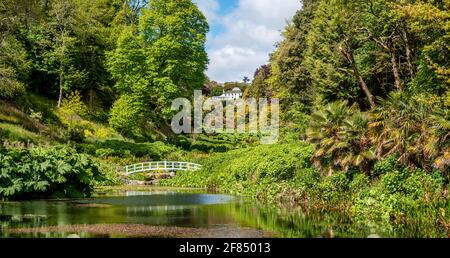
(236, 93)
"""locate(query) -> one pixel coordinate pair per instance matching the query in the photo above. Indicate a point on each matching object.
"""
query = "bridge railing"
(161, 166)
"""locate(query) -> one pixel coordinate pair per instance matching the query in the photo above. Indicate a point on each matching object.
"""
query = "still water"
(171, 213)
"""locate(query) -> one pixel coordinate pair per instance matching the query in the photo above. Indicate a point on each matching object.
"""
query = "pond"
(163, 212)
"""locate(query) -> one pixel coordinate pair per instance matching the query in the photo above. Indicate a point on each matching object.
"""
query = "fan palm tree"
(438, 145)
(339, 135)
(403, 125)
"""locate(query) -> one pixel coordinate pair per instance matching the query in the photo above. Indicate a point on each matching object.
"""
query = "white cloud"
(209, 9)
(250, 33)
(232, 63)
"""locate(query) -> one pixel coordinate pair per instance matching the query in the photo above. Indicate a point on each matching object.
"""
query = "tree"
(381, 26)
(64, 43)
(260, 88)
(290, 78)
(14, 64)
(426, 32)
(340, 138)
(175, 33)
(130, 11)
(87, 72)
(124, 115)
(14, 67)
(212, 88)
(63, 13)
(403, 125)
(332, 49)
(163, 58)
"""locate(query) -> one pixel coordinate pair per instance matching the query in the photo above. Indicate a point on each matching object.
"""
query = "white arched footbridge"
(167, 166)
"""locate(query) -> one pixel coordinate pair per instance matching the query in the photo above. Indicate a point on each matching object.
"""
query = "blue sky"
(224, 7)
(243, 34)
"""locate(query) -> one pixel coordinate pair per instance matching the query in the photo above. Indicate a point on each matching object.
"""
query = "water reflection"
(171, 208)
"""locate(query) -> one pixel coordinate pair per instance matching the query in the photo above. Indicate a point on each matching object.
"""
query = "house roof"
(235, 90)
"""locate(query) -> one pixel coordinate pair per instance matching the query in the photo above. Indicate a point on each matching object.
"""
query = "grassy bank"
(283, 174)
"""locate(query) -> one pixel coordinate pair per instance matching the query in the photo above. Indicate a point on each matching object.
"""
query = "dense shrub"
(46, 172)
(215, 143)
(401, 194)
(243, 171)
(332, 189)
(123, 149)
(339, 134)
(415, 127)
(124, 115)
(385, 166)
(283, 174)
(30, 102)
(72, 108)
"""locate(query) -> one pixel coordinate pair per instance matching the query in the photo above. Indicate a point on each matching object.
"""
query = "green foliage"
(401, 195)
(403, 124)
(27, 126)
(332, 189)
(46, 172)
(71, 114)
(215, 143)
(260, 87)
(332, 52)
(428, 24)
(123, 149)
(14, 67)
(390, 58)
(72, 109)
(344, 50)
(373, 209)
(183, 49)
(16, 133)
(161, 59)
(74, 113)
(124, 115)
(31, 102)
(295, 122)
(385, 165)
(283, 174)
(262, 166)
(426, 80)
(340, 137)
(289, 76)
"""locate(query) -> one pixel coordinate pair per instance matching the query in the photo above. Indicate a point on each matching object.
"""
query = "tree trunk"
(92, 97)
(348, 53)
(398, 81)
(61, 83)
(61, 68)
(363, 86)
(125, 4)
(408, 52)
(388, 46)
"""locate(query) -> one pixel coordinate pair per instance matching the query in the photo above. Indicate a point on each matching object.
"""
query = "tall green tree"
(14, 64)
(162, 58)
(332, 55)
(260, 88)
(14, 67)
(63, 13)
(426, 35)
(290, 78)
